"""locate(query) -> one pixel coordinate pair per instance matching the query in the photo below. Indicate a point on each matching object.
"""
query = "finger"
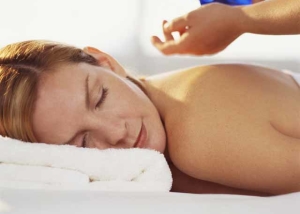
(178, 24)
(167, 48)
(168, 35)
(183, 31)
(155, 40)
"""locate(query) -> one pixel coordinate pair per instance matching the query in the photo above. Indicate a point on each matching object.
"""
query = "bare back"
(235, 125)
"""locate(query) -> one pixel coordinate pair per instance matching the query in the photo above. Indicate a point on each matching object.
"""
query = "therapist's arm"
(275, 17)
(211, 28)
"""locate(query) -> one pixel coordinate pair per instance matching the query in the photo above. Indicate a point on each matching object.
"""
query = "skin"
(235, 125)
(225, 129)
(211, 28)
(114, 124)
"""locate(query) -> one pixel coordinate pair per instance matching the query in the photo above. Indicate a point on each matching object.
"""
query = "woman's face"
(94, 107)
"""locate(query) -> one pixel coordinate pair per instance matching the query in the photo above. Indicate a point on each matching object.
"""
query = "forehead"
(65, 81)
(62, 72)
(60, 96)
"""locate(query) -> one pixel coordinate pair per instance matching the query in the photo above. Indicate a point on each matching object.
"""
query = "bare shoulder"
(208, 91)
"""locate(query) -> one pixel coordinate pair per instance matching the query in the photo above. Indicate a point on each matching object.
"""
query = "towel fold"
(38, 165)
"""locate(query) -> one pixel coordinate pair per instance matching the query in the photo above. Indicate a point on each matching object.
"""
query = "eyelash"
(101, 101)
(102, 98)
(84, 141)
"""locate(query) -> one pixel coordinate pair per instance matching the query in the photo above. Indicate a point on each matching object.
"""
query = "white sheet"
(79, 202)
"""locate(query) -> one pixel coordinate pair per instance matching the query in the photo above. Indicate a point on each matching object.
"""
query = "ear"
(105, 60)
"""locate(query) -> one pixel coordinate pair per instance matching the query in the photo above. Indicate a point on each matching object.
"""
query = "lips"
(141, 139)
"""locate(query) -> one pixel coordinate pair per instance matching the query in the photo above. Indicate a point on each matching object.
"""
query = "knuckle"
(171, 25)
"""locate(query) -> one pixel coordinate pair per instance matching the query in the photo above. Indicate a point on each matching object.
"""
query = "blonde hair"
(21, 65)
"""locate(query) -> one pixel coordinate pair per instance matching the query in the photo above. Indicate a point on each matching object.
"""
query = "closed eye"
(101, 101)
(102, 98)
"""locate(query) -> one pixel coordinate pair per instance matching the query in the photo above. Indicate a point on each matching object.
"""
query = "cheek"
(130, 99)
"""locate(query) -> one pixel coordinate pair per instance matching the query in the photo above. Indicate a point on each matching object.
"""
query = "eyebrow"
(87, 104)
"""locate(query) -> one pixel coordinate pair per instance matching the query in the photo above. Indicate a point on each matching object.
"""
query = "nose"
(111, 132)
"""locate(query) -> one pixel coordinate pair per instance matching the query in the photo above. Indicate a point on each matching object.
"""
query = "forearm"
(274, 17)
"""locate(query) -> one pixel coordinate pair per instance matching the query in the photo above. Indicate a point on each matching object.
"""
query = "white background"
(123, 29)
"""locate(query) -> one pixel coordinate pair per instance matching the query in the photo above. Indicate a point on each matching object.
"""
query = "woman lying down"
(223, 128)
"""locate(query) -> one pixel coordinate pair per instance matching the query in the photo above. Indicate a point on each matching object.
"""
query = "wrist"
(245, 22)
(251, 20)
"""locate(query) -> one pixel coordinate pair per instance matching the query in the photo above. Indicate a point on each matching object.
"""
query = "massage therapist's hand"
(212, 27)
(206, 30)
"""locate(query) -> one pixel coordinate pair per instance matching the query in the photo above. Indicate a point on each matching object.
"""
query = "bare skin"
(236, 126)
(223, 128)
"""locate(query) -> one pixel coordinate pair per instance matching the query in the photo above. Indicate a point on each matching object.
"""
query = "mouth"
(142, 137)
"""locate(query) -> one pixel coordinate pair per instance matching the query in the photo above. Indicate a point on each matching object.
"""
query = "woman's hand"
(206, 30)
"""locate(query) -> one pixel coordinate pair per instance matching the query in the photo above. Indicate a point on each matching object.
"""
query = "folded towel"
(38, 165)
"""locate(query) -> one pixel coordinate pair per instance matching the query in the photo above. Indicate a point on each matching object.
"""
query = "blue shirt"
(229, 2)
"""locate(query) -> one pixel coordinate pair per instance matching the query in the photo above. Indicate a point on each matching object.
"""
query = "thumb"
(178, 24)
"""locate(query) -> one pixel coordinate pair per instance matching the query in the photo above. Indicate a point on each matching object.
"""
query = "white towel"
(38, 165)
